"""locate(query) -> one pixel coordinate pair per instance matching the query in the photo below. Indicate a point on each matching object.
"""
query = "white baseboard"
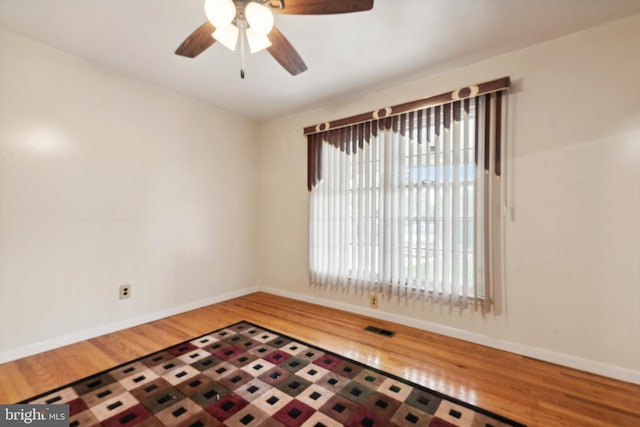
(594, 367)
(38, 347)
(599, 368)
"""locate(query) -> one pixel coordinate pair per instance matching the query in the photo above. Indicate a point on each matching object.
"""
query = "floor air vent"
(383, 332)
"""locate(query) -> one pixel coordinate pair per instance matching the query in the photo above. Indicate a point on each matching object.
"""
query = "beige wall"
(573, 237)
(105, 180)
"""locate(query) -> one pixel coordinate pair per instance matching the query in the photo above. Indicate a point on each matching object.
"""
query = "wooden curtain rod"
(455, 95)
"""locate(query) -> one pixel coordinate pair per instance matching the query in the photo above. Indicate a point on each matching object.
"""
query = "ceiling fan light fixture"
(220, 12)
(233, 21)
(259, 17)
(256, 41)
(227, 35)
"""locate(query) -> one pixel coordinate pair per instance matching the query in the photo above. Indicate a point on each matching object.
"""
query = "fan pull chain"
(243, 28)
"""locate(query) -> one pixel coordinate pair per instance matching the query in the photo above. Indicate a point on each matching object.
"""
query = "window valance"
(403, 118)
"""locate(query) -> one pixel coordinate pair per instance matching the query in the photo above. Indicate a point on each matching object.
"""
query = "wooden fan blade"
(284, 52)
(319, 7)
(197, 42)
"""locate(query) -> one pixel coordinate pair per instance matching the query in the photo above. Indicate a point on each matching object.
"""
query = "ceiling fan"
(251, 22)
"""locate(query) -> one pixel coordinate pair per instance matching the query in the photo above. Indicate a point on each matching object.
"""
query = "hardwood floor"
(533, 392)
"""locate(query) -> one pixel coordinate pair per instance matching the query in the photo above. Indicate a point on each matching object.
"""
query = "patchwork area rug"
(247, 375)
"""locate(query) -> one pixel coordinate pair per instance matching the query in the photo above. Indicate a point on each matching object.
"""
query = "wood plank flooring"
(530, 391)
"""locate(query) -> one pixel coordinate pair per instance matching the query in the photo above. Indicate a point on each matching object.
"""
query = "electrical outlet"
(125, 291)
(373, 301)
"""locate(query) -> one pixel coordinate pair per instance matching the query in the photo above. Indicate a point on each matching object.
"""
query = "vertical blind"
(411, 203)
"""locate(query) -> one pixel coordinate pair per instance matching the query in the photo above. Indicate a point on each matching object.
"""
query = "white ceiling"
(346, 54)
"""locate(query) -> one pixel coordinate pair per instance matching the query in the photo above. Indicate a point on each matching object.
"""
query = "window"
(410, 203)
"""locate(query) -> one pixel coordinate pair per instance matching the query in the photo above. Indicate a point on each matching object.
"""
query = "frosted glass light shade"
(227, 35)
(259, 17)
(256, 41)
(220, 12)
